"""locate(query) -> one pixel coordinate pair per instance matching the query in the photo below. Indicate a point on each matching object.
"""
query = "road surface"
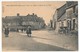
(42, 40)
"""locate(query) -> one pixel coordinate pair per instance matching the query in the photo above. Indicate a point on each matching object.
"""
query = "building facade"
(55, 20)
(72, 15)
(19, 22)
(67, 17)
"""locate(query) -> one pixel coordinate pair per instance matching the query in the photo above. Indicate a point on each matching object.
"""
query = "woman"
(28, 31)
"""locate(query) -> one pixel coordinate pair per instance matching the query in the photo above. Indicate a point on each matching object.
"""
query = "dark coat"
(6, 31)
(28, 31)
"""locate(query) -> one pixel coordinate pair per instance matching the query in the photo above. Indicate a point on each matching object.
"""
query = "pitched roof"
(61, 11)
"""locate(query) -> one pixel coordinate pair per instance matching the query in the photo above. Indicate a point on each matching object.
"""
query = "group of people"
(28, 31)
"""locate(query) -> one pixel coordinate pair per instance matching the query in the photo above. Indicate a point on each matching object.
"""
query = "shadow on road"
(37, 46)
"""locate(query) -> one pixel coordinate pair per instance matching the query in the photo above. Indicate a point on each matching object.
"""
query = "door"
(73, 24)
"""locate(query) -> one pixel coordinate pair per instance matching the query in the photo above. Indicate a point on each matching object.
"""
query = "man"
(28, 31)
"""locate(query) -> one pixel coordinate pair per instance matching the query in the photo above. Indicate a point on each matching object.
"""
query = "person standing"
(28, 31)
(6, 31)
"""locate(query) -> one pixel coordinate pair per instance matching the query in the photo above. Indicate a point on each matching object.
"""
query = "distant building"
(23, 21)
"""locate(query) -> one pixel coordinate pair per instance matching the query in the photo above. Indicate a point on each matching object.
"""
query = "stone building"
(59, 17)
(67, 17)
(72, 15)
(55, 20)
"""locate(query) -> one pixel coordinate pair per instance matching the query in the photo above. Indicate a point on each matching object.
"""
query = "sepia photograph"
(39, 26)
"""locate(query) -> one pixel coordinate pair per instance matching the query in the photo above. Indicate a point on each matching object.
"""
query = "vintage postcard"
(39, 26)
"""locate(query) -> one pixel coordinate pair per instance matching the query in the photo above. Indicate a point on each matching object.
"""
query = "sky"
(44, 9)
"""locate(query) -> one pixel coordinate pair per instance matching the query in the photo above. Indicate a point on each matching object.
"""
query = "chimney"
(33, 14)
(18, 14)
